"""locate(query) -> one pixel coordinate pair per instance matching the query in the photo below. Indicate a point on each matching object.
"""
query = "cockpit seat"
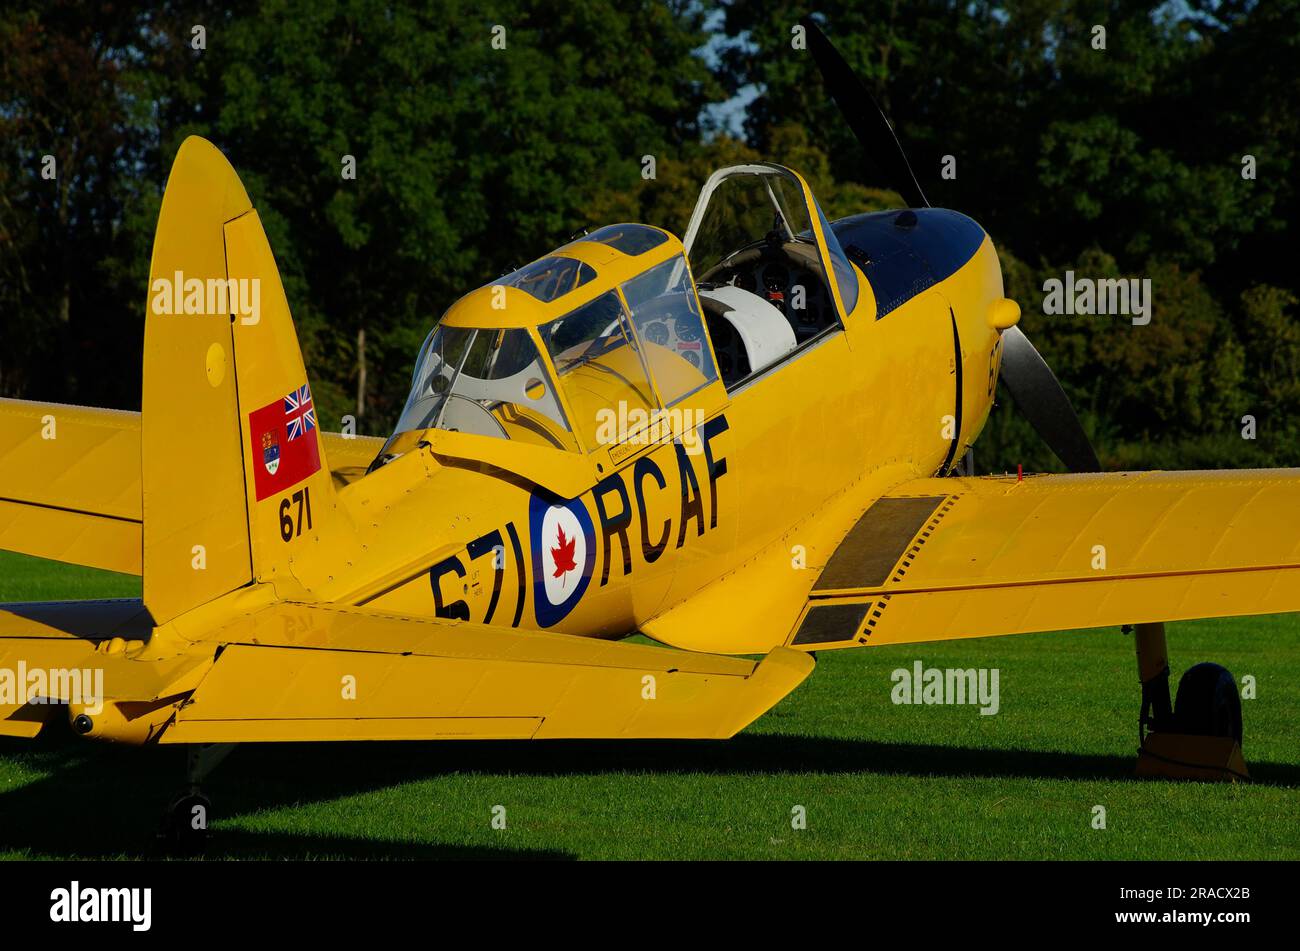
(748, 333)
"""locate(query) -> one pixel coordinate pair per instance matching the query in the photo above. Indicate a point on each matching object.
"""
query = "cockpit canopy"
(613, 321)
(541, 356)
(752, 228)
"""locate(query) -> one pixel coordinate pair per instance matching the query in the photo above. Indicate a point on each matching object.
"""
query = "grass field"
(876, 780)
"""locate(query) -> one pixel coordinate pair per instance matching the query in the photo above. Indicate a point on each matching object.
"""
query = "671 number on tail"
(290, 529)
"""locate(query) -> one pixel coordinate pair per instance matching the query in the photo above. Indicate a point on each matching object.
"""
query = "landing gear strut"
(1199, 735)
(185, 824)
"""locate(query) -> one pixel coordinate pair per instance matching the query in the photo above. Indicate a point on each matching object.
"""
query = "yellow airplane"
(745, 442)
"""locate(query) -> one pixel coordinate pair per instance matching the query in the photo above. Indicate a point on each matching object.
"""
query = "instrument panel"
(683, 337)
(794, 290)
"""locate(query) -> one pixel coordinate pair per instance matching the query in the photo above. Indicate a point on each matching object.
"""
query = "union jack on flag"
(300, 413)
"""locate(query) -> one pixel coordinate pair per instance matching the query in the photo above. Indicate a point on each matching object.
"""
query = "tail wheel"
(185, 824)
(1207, 703)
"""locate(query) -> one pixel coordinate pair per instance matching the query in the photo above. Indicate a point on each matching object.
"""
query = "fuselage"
(612, 541)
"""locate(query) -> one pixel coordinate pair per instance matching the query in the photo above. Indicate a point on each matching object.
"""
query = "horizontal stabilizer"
(87, 653)
(297, 672)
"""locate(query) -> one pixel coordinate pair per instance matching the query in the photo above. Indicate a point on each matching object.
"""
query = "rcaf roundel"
(563, 541)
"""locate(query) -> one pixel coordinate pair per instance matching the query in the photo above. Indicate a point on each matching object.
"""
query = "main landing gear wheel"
(1207, 703)
(1198, 736)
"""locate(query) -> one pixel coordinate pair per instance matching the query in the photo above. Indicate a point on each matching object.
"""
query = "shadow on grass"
(107, 801)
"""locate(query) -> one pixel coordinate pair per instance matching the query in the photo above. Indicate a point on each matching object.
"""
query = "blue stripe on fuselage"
(901, 261)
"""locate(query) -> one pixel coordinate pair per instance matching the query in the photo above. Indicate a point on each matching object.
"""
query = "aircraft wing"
(293, 672)
(70, 482)
(938, 559)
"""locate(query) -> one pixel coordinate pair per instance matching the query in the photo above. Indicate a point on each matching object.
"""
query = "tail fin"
(233, 470)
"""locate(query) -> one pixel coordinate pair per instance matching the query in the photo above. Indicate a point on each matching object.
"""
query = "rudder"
(221, 363)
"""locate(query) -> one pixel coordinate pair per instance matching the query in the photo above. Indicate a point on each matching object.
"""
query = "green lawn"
(876, 780)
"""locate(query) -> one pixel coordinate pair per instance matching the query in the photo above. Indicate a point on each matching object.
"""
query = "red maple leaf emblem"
(563, 556)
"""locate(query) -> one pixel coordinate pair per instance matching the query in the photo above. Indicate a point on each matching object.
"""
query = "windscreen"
(485, 381)
(668, 321)
(600, 365)
(742, 211)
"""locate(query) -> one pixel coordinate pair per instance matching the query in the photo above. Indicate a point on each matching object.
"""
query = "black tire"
(185, 825)
(1208, 703)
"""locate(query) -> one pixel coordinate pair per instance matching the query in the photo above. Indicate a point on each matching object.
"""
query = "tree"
(72, 145)
(1096, 136)
(482, 135)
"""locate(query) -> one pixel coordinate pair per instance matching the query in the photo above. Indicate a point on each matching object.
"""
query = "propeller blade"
(1039, 397)
(863, 116)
